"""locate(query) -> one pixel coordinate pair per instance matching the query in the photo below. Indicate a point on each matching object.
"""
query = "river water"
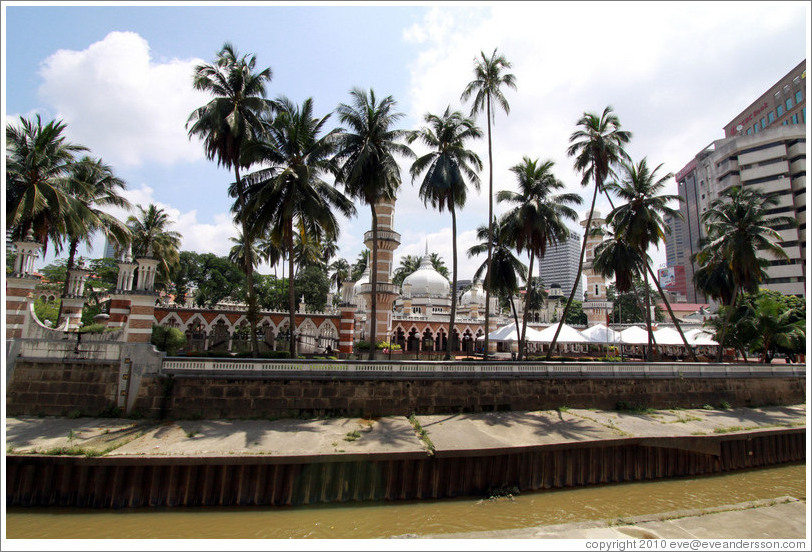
(380, 520)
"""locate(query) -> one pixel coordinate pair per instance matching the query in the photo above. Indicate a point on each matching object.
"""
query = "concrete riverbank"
(120, 463)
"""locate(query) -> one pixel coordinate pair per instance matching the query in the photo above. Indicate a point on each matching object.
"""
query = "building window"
(786, 89)
(796, 81)
(789, 104)
(755, 127)
(763, 123)
(749, 131)
(795, 119)
(803, 115)
(799, 95)
(779, 110)
(771, 116)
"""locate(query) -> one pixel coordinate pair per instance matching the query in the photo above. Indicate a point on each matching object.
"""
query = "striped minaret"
(120, 297)
(142, 301)
(595, 305)
(386, 292)
(20, 286)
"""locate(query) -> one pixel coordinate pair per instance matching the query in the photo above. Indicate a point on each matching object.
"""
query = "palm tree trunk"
(291, 293)
(671, 313)
(522, 343)
(515, 315)
(580, 268)
(450, 344)
(248, 264)
(490, 233)
(74, 245)
(648, 316)
(728, 316)
(374, 283)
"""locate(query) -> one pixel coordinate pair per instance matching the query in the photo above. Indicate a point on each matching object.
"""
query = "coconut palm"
(774, 325)
(739, 226)
(291, 195)
(38, 162)
(228, 124)
(639, 222)
(508, 270)
(490, 78)
(446, 168)
(596, 146)
(408, 264)
(369, 171)
(151, 237)
(537, 218)
(93, 184)
(339, 272)
(237, 252)
(360, 265)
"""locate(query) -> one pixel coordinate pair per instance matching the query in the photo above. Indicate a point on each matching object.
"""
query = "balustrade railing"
(226, 367)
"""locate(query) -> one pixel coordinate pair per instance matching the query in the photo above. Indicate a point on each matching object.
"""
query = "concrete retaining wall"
(115, 482)
(210, 397)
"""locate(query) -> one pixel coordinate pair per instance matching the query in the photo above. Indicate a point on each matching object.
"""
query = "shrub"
(93, 328)
(167, 339)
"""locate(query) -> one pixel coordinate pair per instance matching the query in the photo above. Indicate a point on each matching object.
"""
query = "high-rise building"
(109, 250)
(766, 151)
(560, 265)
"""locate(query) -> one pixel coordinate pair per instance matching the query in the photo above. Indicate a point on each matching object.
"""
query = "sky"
(120, 76)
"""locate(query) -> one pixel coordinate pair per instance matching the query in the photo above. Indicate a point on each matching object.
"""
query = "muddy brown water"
(381, 520)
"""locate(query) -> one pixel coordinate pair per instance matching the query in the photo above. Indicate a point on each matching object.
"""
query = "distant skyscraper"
(560, 265)
(109, 250)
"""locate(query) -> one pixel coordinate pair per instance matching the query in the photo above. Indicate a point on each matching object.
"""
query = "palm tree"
(38, 162)
(360, 265)
(237, 252)
(739, 226)
(446, 168)
(408, 265)
(596, 146)
(776, 326)
(151, 237)
(369, 170)
(291, 195)
(438, 264)
(486, 87)
(640, 223)
(227, 125)
(538, 216)
(508, 270)
(339, 272)
(93, 185)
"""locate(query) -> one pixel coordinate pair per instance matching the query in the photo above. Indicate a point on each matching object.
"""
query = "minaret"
(595, 305)
(20, 286)
(386, 292)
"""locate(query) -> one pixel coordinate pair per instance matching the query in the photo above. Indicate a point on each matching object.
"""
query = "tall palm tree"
(151, 235)
(596, 146)
(291, 194)
(360, 265)
(640, 223)
(490, 77)
(538, 216)
(339, 272)
(508, 270)
(93, 184)
(446, 168)
(369, 170)
(38, 162)
(228, 124)
(739, 226)
(237, 252)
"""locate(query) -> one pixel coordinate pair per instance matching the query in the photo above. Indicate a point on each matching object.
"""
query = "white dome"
(474, 296)
(364, 279)
(427, 281)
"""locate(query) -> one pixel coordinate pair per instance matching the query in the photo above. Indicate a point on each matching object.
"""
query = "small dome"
(474, 296)
(427, 281)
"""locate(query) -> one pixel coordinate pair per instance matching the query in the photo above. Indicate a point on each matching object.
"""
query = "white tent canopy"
(700, 336)
(600, 334)
(668, 336)
(568, 335)
(508, 334)
(634, 335)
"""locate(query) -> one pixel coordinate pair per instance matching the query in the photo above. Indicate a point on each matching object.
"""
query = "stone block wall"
(62, 388)
(206, 397)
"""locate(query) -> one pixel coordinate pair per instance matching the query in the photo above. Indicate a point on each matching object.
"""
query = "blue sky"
(120, 77)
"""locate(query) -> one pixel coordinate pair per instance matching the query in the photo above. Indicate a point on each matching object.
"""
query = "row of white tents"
(600, 334)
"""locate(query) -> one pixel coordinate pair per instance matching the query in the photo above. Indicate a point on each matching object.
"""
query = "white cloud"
(125, 107)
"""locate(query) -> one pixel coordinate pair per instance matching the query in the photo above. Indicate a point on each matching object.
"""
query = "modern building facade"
(560, 266)
(764, 149)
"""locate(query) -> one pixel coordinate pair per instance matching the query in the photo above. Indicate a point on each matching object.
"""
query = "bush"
(94, 329)
(167, 339)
